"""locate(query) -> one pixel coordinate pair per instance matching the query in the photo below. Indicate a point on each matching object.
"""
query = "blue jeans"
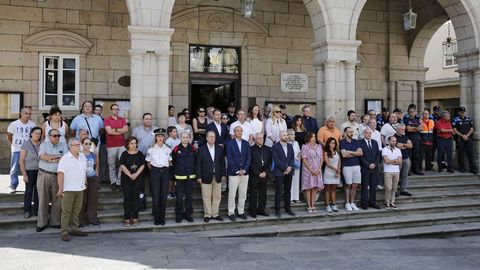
(14, 169)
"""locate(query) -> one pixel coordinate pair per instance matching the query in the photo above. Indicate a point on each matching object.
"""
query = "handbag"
(94, 140)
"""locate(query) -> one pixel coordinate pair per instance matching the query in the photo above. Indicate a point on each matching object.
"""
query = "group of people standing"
(238, 150)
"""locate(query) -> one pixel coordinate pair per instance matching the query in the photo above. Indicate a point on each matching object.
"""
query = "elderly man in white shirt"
(247, 134)
(389, 129)
(72, 177)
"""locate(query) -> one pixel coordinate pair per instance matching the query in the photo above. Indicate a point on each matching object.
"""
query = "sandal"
(126, 223)
(135, 223)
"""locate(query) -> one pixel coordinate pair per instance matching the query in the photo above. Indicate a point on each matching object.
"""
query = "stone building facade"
(349, 50)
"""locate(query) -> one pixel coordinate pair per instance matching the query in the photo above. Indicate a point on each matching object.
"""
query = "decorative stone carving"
(217, 22)
(58, 41)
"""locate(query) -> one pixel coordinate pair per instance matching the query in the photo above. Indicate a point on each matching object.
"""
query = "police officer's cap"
(160, 131)
(282, 106)
(412, 106)
(462, 109)
(231, 104)
(397, 110)
(385, 109)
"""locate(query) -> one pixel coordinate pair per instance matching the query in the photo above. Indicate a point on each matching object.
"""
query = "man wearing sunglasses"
(47, 186)
(18, 132)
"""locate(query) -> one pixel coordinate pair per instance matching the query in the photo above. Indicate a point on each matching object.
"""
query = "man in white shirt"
(365, 121)
(247, 134)
(17, 133)
(392, 159)
(375, 133)
(351, 117)
(389, 129)
(72, 177)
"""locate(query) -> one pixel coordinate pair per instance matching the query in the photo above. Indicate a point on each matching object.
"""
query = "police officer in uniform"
(413, 128)
(463, 129)
(159, 161)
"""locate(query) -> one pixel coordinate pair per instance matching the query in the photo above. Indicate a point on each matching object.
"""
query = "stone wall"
(103, 22)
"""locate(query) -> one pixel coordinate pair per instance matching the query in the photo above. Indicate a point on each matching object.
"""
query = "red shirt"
(115, 140)
(442, 124)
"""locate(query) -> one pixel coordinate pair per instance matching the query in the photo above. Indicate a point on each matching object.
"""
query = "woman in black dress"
(299, 129)
(132, 164)
(199, 127)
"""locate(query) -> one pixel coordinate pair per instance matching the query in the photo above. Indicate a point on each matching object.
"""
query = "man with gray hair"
(72, 178)
(259, 174)
(327, 131)
(50, 153)
(404, 144)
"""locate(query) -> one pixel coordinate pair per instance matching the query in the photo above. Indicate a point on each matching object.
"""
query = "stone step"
(16, 208)
(443, 230)
(421, 223)
(112, 219)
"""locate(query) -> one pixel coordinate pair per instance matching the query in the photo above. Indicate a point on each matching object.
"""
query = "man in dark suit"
(220, 129)
(211, 173)
(238, 158)
(369, 165)
(259, 174)
(284, 159)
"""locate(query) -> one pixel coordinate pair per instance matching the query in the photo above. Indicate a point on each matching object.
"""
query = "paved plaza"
(185, 251)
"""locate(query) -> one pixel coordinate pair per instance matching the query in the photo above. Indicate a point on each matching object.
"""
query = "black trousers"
(444, 147)
(31, 193)
(159, 178)
(258, 194)
(283, 184)
(369, 179)
(415, 155)
(465, 147)
(183, 188)
(131, 190)
(427, 152)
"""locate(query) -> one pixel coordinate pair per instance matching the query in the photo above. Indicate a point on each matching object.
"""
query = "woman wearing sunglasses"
(200, 126)
(88, 215)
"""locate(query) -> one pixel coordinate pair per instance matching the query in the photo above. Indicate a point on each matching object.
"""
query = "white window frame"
(41, 76)
(454, 60)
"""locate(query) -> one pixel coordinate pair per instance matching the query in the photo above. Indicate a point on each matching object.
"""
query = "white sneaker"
(11, 190)
(379, 187)
(334, 207)
(348, 207)
(328, 209)
(354, 207)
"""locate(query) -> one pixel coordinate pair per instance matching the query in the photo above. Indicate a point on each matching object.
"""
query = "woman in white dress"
(331, 174)
(274, 126)
(255, 119)
(55, 121)
(295, 189)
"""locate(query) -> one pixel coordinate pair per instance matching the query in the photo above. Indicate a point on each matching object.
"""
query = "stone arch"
(150, 13)
(319, 18)
(58, 41)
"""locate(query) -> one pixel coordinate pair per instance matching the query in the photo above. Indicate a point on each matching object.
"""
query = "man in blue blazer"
(284, 159)
(238, 159)
(369, 165)
(220, 129)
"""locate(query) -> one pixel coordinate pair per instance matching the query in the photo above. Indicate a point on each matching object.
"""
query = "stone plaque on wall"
(294, 82)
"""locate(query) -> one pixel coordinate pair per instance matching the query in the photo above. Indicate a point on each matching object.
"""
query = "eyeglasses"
(77, 144)
(201, 111)
(186, 112)
(56, 135)
(224, 118)
(278, 111)
(115, 109)
(87, 143)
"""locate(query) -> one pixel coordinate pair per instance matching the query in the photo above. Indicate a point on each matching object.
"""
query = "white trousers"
(235, 183)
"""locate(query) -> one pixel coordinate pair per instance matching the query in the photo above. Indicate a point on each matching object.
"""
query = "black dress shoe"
(364, 207)
(55, 227)
(178, 220)
(263, 213)
(40, 229)
(253, 215)
(290, 212)
(461, 170)
(450, 171)
(206, 219)
(27, 215)
(232, 217)
(156, 223)
(406, 193)
(375, 206)
(219, 218)
(243, 216)
(189, 219)
(418, 173)
(278, 214)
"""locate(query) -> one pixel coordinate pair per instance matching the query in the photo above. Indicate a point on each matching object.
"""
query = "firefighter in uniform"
(463, 128)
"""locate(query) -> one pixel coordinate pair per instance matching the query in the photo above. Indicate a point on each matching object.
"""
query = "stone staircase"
(442, 205)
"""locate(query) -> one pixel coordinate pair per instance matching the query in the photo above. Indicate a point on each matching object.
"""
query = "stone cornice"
(58, 41)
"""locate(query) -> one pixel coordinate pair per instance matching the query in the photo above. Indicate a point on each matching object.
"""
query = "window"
(59, 81)
(214, 59)
(449, 50)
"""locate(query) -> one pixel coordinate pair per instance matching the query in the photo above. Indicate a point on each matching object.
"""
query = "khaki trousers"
(47, 188)
(391, 184)
(235, 183)
(211, 195)
(71, 207)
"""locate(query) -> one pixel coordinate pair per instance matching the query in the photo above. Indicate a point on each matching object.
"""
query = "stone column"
(421, 97)
(465, 86)
(320, 93)
(391, 95)
(330, 92)
(476, 114)
(150, 63)
(349, 86)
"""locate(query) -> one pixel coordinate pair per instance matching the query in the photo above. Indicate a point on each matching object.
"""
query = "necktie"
(369, 145)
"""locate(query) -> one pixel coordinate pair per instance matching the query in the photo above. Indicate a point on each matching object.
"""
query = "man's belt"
(47, 172)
